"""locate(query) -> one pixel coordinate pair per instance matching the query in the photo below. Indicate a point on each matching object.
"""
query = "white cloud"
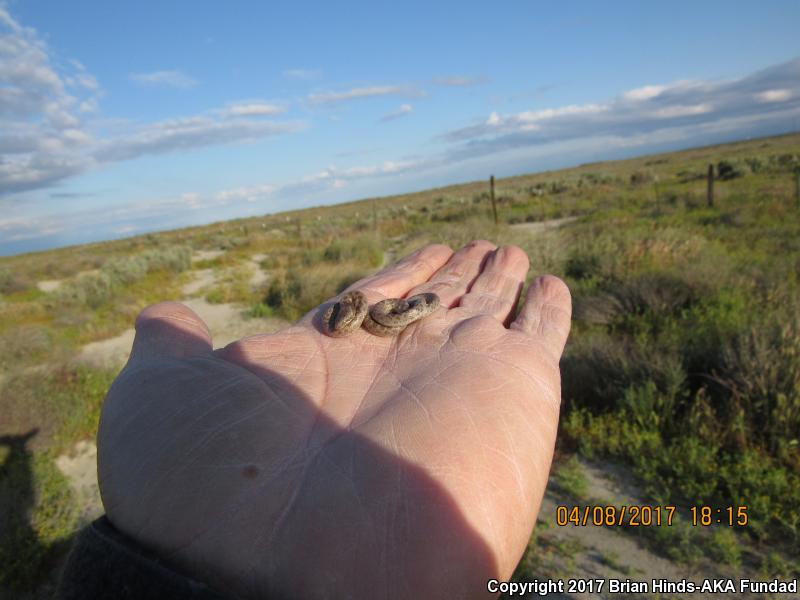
(644, 93)
(330, 178)
(43, 135)
(82, 77)
(249, 194)
(765, 96)
(679, 110)
(362, 92)
(187, 133)
(459, 81)
(302, 74)
(253, 109)
(404, 110)
(191, 199)
(18, 229)
(88, 106)
(774, 96)
(174, 78)
(551, 113)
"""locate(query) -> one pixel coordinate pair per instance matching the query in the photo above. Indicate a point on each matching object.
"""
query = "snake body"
(344, 317)
(386, 318)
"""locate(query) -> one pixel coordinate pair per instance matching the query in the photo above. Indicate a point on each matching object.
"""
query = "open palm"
(299, 465)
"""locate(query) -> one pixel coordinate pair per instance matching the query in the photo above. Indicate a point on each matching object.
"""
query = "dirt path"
(49, 285)
(224, 320)
(600, 552)
(539, 226)
(199, 255)
(259, 274)
(80, 467)
(204, 278)
(591, 552)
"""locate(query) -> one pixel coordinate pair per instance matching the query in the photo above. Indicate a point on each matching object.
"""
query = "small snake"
(384, 319)
(345, 316)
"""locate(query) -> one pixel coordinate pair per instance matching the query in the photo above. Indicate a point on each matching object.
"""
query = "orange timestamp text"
(614, 516)
(645, 515)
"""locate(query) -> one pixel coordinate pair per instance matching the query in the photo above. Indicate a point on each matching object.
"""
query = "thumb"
(169, 329)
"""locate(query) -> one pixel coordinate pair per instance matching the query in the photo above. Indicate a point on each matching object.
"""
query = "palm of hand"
(362, 466)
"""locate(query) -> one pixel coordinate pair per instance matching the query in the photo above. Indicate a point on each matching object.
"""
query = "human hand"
(301, 465)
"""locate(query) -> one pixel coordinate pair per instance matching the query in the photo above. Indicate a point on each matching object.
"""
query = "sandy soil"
(206, 255)
(80, 467)
(539, 226)
(204, 278)
(225, 321)
(49, 285)
(604, 552)
(259, 274)
(108, 353)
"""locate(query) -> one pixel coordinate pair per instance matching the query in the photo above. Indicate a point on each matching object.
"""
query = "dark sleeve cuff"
(105, 564)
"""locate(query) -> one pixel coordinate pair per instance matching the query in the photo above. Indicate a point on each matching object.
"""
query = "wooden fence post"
(491, 195)
(797, 186)
(655, 191)
(710, 188)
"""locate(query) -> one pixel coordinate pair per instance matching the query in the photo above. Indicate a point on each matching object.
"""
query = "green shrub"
(582, 265)
(687, 176)
(95, 289)
(654, 294)
(260, 310)
(570, 479)
(728, 169)
(678, 542)
(724, 547)
(23, 342)
(365, 250)
(12, 283)
(760, 373)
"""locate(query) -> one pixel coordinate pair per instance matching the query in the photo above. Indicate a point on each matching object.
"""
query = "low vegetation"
(683, 363)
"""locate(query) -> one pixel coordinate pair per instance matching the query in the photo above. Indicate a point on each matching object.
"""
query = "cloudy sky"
(121, 118)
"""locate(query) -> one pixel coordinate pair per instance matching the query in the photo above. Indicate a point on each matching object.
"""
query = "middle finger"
(455, 278)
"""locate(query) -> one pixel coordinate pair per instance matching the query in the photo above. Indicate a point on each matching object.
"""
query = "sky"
(122, 118)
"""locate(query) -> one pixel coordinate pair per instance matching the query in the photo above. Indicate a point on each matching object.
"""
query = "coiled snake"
(385, 319)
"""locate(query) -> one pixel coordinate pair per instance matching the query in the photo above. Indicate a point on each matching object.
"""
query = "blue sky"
(121, 118)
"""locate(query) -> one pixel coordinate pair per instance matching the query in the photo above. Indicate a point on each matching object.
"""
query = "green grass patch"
(570, 478)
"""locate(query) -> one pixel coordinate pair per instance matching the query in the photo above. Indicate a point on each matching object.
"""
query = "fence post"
(491, 195)
(710, 189)
(655, 191)
(797, 186)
